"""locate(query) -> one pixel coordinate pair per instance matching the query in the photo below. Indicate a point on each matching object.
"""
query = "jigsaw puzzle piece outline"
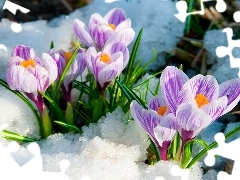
(228, 150)
(222, 51)
(12, 7)
(181, 7)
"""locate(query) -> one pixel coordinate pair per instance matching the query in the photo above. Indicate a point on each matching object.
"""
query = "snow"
(99, 154)
(17, 115)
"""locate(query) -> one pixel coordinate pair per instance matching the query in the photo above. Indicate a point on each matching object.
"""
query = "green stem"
(47, 124)
(155, 149)
(211, 146)
(189, 18)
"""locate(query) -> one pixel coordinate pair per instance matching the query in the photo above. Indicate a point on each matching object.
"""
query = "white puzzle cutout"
(182, 9)
(12, 7)
(222, 51)
(33, 169)
(236, 16)
(228, 150)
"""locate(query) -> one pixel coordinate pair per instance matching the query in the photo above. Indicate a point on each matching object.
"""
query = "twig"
(197, 57)
(67, 6)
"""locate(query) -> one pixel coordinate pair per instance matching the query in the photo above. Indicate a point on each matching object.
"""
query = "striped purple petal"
(124, 25)
(156, 102)
(58, 56)
(100, 34)
(118, 47)
(166, 129)
(230, 89)
(112, 70)
(147, 119)
(171, 82)
(19, 78)
(82, 34)
(192, 120)
(199, 84)
(125, 36)
(91, 54)
(25, 52)
(96, 19)
(216, 108)
(77, 67)
(115, 16)
(51, 66)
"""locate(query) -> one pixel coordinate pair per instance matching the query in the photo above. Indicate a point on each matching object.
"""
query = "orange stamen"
(161, 110)
(201, 100)
(27, 63)
(68, 55)
(105, 58)
(112, 26)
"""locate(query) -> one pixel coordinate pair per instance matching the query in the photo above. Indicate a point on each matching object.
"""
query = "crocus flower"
(191, 121)
(107, 64)
(114, 26)
(200, 96)
(159, 125)
(79, 64)
(27, 73)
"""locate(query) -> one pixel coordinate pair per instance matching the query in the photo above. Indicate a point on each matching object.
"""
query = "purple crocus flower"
(27, 73)
(195, 98)
(79, 64)
(159, 125)
(107, 64)
(104, 30)
(191, 121)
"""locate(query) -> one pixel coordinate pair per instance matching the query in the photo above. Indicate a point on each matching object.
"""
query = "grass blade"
(130, 95)
(133, 57)
(57, 109)
(83, 87)
(16, 137)
(70, 126)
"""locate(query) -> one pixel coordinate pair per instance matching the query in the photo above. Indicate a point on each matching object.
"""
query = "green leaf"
(175, 146)
(16, 137)
(68, 125)
(60, 81)
(57, 109)
(188, 150)
(155, 149)
(133, 57)
(127, 95)
(84, 88)
(134, 96)
(189, 18)
(22, 97)
(138, 71)
(97, 111)
(130, 94)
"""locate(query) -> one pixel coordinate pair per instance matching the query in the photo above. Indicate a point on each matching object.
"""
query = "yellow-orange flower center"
(27, 63)
(201, 100)
(68, 55)
(105, 58)
(161, 110)
(112, 26)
